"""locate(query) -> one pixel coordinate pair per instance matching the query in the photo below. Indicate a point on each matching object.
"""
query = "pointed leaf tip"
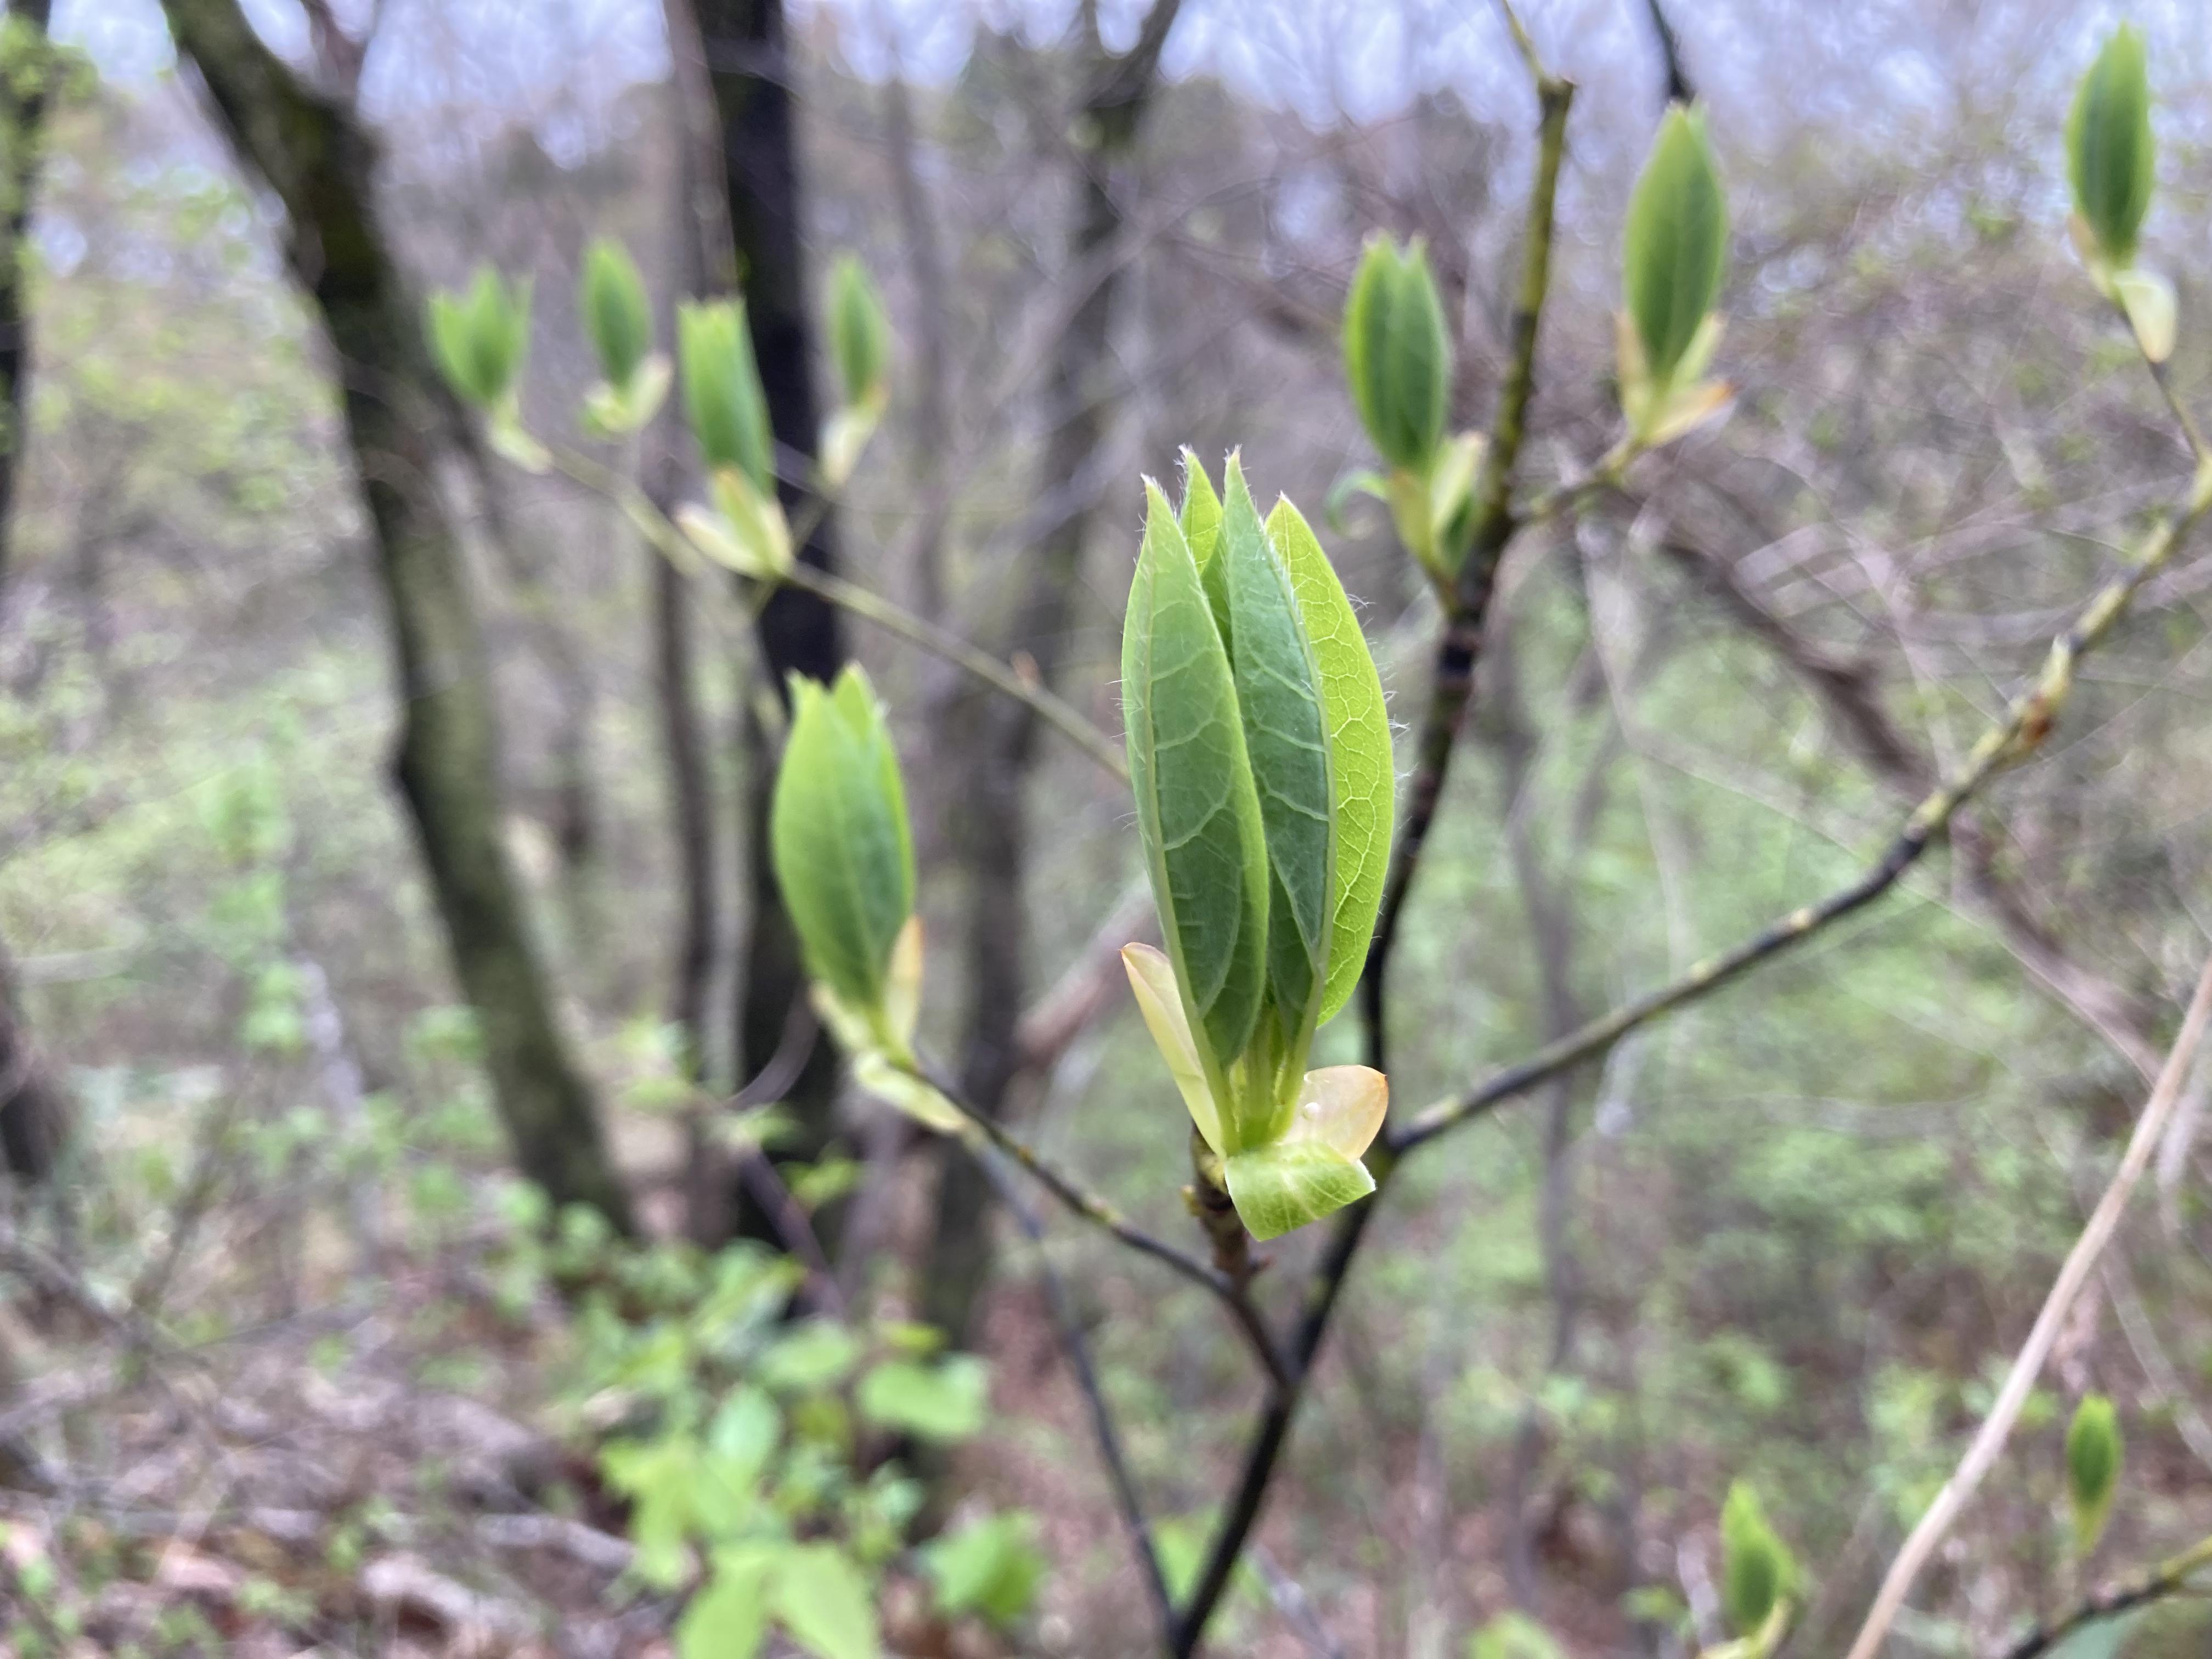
(1675, 244)
(2112, 159)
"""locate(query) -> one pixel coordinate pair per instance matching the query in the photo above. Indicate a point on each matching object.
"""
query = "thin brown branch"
(1460, 644)
(2027, 721)
(2169, 1577)
(1067, 1327)
(1453, 685)
(982, 1134)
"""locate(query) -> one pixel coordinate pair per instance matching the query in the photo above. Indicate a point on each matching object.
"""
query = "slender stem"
(2160, 378)
(2026, 723)
(1989, 1442)
(1494, 526)
(1067, 1326)
(2169, 1577)
(1467, 603)
(982, 1134)
(2023, 726)
(657, 529)
(873, 607)
(1269, 1434)
(1565, 496)
(2189, 431)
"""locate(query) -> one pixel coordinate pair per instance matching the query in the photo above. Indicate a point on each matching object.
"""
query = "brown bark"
(744, 47)
(998, 737)
(315, 154)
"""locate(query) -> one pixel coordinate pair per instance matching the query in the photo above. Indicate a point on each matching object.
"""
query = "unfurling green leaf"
(2110, 155)
(616, 311)
(746, 531)
(880, 1040)
(1675, 244)
(1278, 698)
(2093, 1454)
(1757, 1569)
(1397, 355)
(843, 854)
(480, 338)
(859, 335)
(1243, 671)
(2148, 300)
(1200, 518)
(1313, 1167)
(1151, 979)
(722, 395)
(1197, 813)
(1363, 775)
(1286, 1185)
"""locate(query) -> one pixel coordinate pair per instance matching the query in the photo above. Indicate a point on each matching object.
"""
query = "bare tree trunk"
(702, 259)
(314, 153)
(22, 140)
(997, 738)
(33, 1109)
(932, 387)
(749, 69)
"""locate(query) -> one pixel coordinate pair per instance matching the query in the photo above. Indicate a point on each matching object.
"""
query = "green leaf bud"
(2110, 155)
(480, 336)
(1397, 355)
(2093, 1454)
(618, 313)
(722, 395)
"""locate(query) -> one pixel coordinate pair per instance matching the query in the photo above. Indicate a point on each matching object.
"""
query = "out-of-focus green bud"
(615, 311)
(480, 336)
(2110, 154)
(1397, 356)
(744, 531)
(1675, 244)
(722, 395)
(861, 343)
(859, 335)
(844, 858)
(1758, 1573)
(2094, 1452)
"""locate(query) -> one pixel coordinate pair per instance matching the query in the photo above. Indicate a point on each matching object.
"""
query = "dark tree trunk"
(321, 163)
(33, 1109)
(933, 373)
(23, 139)
(703, 260)
(749, 69)
(997, 738)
